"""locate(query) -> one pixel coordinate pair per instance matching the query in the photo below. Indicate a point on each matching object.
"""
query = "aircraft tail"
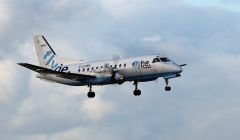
(46, 56)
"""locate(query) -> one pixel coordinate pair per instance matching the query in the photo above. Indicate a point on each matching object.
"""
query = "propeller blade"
(115, 59)
(183, 65)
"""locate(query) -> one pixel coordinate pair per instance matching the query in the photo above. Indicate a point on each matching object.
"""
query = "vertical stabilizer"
(46, 56)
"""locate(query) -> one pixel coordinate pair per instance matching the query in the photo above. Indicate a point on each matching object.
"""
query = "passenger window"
(120, 65)
(79, 70)
(106, 65)
(83, 70)
(96, 67)
(125, 65)
(92, 68)
(87, 69)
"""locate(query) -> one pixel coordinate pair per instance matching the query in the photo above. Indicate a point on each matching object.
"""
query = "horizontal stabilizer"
(71, 76)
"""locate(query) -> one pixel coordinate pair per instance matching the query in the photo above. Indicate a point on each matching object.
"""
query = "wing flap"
(71, 76)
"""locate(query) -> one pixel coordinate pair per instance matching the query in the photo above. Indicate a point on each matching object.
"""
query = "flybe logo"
(49, 58)
(141, 64)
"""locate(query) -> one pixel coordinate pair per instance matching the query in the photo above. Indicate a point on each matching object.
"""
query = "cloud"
(5, 15)
(7, 82)
(120, 8)
(125, 9)
(95, 110)
(153, 38)
(204, 99)
(51, 102)
(60, 3)
(230, 5)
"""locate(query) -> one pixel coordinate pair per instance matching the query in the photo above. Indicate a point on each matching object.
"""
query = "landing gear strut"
(167, 88)
(90, 94)
(136, 92)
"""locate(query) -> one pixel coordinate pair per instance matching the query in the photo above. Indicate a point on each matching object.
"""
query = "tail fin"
(46, 56)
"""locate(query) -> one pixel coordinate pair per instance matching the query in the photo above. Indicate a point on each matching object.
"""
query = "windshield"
(155, 60)
(164, 59)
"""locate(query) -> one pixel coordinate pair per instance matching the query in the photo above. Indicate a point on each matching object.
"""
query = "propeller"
(182, 65)
(115, 74)
(115, 58)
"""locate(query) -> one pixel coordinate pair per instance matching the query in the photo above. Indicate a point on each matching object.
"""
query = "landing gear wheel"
(137, 92)
(167, 88)
(91, 94)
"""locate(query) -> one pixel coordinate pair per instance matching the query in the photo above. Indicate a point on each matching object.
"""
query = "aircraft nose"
(178, 69)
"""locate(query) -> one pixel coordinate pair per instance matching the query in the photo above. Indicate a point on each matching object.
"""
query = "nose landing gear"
(136, 92)
(167, 88)
(90, 94)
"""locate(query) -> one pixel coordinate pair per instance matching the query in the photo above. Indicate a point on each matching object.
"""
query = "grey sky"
(204, 103)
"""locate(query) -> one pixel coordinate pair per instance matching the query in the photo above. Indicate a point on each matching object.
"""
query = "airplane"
(101, 72)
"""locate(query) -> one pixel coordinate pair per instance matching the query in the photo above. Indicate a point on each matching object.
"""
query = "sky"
(204, 103)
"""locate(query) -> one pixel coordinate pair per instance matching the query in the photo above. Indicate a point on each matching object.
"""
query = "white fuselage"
(140, 69)
(66, 71)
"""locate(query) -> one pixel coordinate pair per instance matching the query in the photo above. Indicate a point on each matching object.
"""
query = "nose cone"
(173, 68)
(178, 69)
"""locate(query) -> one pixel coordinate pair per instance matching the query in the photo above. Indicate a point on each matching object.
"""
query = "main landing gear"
(167, 88)
(90, 94)
(136, 92)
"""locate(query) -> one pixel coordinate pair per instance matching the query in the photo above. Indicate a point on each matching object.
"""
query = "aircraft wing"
(71, 76)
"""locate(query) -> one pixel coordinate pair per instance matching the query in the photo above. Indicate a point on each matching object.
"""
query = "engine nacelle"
(118, 76)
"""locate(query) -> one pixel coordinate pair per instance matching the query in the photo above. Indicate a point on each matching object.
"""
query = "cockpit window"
(155, 60)
(164, 59)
